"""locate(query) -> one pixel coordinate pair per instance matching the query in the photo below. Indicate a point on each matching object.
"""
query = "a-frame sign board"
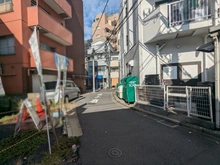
(27, 105)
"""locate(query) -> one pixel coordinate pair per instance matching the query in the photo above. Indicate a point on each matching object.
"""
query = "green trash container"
(129, 88)
(123, 82)
(117, 90)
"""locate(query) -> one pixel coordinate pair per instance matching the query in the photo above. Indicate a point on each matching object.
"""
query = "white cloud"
(94, 7)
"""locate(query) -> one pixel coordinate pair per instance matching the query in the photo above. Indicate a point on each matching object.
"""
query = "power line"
(115, 32)
(101, 45)
(100, 18)
(121, 25)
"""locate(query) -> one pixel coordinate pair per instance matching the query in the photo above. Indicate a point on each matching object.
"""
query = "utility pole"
(93, 73)
(109, 69)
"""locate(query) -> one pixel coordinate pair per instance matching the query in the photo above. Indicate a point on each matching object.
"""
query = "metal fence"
(187, 10)
(176, 97)
(195, 101)
(151, 94)
(200, 102)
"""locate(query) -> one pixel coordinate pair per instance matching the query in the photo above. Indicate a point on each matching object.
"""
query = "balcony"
(62, 7)
(48, 26)
(178, 19)
(48, 61)
(114, 63)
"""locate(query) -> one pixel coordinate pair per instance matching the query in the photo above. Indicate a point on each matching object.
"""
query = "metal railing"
(6, 7)
(188, 11)
(176, 97)
(153, 95)
(195, 101)
(200, 103)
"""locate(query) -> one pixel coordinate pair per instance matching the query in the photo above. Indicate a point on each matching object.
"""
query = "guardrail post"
(164, 98)
(210, 103)
(167, 97)
(190, 100)
(187, 101)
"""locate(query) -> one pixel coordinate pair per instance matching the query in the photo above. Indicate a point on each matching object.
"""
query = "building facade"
(114, 69)
(76, 50)
(101, 51)
(17, 20)
(161, 37)
(103, 29)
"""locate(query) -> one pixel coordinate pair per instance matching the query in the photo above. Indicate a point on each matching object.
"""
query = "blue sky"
(94, 7)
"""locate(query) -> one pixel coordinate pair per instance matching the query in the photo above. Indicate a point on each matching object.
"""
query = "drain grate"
(115, 153)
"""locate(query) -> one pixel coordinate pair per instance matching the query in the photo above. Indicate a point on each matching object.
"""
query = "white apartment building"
(114, 69)
(105, 64)
(161, 37)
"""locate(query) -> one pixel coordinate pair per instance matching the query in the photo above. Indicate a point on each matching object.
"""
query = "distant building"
(105, 29)
(114, 69)
(104, 56)
(105, 47)
(59, 26)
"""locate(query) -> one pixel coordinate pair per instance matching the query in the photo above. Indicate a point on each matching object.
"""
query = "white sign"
(170, 72)
(33, 41)
(18, 124)
(32, 112)
(189, 72)
(61, 65)
(26, 103)
(2, 91)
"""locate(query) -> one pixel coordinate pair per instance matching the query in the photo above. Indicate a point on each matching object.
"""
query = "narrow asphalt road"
(114, 135)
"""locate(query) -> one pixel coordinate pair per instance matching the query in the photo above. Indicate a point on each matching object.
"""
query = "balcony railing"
(6, 7)
(186, 11)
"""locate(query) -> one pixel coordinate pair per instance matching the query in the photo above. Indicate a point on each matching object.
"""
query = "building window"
(97, 19)
(7, 46)
(114, 58)
(114, 23)
(47, 47)
(5, 6)
(97, 35)
(101, 68)
(33, 3)
(114, 69)
(98, 27)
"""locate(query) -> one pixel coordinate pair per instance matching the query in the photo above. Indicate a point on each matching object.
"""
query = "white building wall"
(146, 54)
(176, 50)
(114, 74)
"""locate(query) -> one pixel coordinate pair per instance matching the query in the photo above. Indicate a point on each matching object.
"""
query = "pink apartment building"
(60, 30)
(106, 29)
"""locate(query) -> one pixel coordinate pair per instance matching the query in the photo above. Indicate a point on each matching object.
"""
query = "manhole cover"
(114, 153)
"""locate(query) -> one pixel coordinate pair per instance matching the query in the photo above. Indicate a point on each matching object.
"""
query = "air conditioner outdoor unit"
(131, 63)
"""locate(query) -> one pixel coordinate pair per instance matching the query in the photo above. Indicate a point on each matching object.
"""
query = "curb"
(181, 123)
(119, 101)
(72, 125)
(201, 129)
(160, 116)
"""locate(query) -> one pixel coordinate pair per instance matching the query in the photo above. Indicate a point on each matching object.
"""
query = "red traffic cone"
(25, 114)
(40, 111)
